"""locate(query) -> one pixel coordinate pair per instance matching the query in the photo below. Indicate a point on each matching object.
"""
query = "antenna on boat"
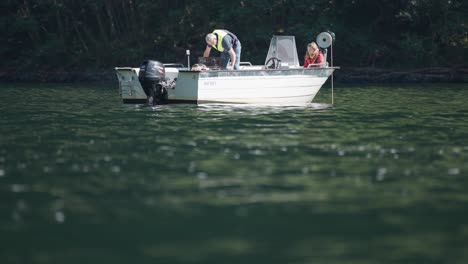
(325, 40)
(331, 62)
(187, 52)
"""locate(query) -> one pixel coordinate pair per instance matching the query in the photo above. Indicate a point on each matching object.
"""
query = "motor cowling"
(151, 76)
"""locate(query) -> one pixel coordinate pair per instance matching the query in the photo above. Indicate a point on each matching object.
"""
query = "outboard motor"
(151, 76)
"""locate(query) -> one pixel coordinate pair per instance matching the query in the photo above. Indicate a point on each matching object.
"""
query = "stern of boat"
(130, 88)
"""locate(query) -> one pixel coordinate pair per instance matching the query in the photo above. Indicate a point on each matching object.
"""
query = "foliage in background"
(107, 33)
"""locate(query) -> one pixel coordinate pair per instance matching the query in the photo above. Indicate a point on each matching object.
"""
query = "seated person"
(313, 56)
(199, 67)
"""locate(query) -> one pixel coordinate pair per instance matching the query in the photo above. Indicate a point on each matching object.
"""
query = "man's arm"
(207, 51)
(233, 58)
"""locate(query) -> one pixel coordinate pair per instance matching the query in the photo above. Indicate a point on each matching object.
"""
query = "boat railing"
(313, 65)
(174, 65)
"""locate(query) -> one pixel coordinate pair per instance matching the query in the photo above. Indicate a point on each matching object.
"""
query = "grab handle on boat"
(187, 52)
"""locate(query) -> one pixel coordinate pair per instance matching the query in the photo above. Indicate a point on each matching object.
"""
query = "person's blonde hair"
(315, 47)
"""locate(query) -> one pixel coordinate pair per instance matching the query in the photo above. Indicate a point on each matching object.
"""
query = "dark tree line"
(104, 33)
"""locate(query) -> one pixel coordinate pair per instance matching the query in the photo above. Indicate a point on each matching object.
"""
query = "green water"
(381, 177)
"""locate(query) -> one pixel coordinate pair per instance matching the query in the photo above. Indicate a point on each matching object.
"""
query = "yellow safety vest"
(220, 34)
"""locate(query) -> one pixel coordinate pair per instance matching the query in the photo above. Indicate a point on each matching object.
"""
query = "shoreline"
(343, 75)
(421, 75)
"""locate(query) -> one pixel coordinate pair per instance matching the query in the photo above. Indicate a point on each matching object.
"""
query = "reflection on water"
(380, 177)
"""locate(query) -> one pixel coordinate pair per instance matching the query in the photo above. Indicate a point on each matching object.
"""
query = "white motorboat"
(280, 81)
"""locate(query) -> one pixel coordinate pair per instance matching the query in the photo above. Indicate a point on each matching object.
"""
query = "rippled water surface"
(380, 177)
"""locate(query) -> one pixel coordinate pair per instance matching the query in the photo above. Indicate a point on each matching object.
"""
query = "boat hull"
(271, 86)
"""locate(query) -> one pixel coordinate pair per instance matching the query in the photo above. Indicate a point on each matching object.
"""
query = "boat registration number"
(210, 83)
